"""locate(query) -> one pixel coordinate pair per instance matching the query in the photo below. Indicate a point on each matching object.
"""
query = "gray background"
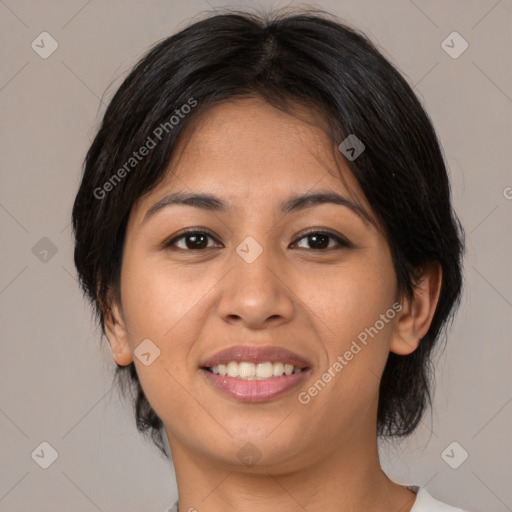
(55, 373)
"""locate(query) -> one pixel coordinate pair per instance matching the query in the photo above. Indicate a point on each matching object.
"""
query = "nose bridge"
(255, 291)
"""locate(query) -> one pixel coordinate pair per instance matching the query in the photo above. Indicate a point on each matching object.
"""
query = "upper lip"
(255, 354)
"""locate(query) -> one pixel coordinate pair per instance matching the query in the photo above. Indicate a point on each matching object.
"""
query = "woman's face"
(254, 278)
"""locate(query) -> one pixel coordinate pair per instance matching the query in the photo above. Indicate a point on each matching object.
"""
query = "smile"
(250, 371)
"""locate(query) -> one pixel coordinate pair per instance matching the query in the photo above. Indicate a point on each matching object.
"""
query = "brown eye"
(320, 240)
(191, 240)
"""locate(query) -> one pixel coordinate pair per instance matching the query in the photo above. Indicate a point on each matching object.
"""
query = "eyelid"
(180, 234)
(342, 240)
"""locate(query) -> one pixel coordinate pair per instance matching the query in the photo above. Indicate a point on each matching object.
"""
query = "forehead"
(246, 148)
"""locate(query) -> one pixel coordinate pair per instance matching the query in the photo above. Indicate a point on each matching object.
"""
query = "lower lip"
(254, 390)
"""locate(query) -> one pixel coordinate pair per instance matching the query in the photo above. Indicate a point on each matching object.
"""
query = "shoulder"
(426, 503)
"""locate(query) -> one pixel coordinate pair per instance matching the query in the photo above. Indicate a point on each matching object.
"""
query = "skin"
(320, 456)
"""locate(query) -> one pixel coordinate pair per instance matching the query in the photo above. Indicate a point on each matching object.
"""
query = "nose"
(256, 294)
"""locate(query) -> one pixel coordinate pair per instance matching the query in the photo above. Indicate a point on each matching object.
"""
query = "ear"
(117, 334)
(416, 314)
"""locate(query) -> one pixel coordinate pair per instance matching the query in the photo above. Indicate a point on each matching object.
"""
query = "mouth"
(254, 374)
(246, 370)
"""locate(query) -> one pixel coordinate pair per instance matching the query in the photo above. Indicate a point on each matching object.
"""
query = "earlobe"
(117, 335)
(416, 315)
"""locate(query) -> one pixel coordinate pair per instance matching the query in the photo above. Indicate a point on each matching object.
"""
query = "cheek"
(349, 299)
(161, 306)
(170, 308)
(156, 298)
(347, 307)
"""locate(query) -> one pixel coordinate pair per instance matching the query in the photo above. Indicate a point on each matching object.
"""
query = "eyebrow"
(212, 203)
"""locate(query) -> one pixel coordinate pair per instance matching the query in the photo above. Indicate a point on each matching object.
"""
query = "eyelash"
(342, 242)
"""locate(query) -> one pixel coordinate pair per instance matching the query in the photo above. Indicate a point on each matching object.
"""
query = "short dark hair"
(306, 58)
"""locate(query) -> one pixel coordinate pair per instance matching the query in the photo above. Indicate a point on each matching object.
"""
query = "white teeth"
(246, 370)
(232, 369)
(264, 370)
(278, 369)
(249, 371)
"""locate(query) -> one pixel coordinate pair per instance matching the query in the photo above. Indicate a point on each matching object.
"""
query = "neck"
(343, 478)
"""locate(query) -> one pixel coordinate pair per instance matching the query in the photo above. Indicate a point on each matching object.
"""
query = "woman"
(264, 228)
